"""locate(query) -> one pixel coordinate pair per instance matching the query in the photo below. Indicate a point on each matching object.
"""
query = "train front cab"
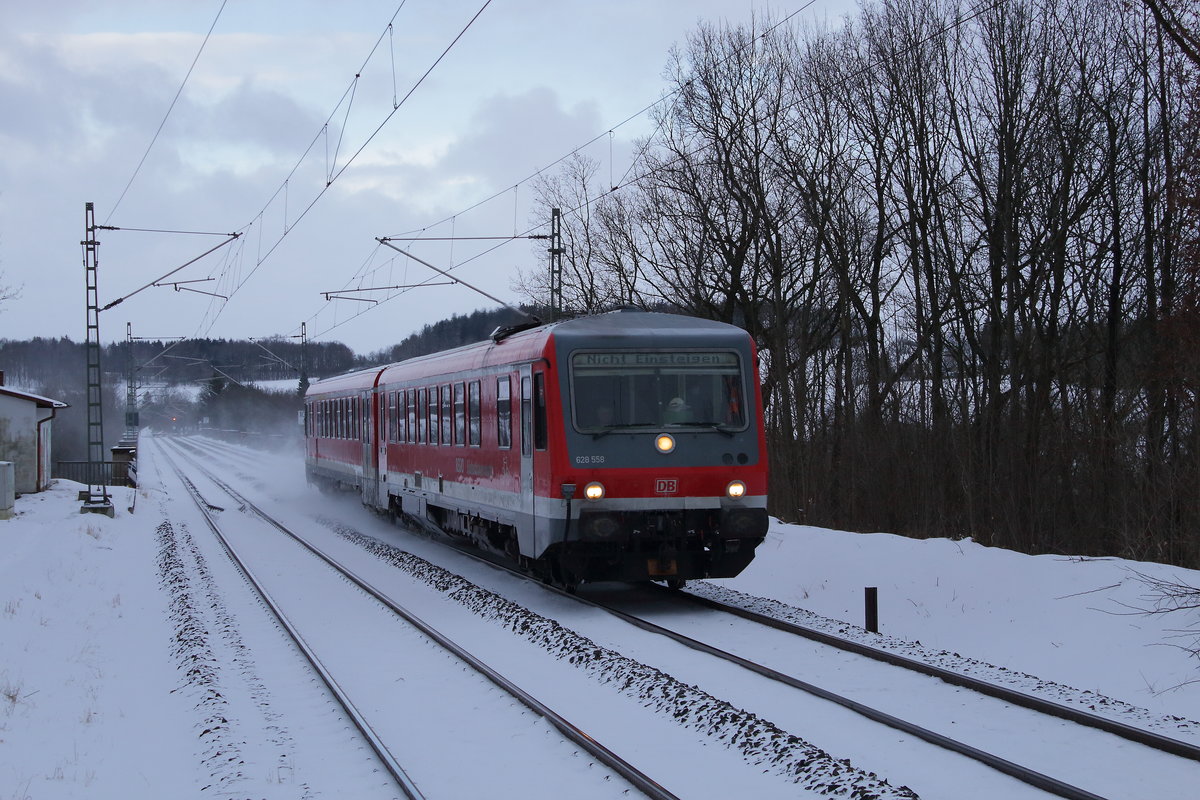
(665, 469)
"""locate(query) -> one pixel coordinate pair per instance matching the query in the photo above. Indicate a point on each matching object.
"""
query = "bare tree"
(1179, 21)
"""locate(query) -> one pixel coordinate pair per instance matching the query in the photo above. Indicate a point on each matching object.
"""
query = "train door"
(366, 436)
(385, 420)
(525, 515)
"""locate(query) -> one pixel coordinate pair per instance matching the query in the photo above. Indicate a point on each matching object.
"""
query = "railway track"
(400, 775)
(1142, 736)
(1115, 732)
(1107, 729)
(1030, 776)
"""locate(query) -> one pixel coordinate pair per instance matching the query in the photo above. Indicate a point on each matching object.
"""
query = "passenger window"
(526, 417)
(473, 409)
(460, 414)
(421, 419)
(504, 412)
(539, 411)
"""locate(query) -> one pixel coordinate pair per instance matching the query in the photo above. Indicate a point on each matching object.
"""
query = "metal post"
(97, 499)
(871, 600)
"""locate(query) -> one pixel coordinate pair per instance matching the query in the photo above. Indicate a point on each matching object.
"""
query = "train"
(623, 446)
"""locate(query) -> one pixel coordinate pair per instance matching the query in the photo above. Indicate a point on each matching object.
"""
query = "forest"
(964, 238)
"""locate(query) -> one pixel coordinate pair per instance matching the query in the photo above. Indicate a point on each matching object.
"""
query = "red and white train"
(625, 446)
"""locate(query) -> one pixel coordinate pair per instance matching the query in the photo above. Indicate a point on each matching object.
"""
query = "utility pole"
(96, 499)
(556, 254)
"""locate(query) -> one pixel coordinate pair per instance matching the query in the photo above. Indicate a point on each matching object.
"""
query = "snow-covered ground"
(95, 701)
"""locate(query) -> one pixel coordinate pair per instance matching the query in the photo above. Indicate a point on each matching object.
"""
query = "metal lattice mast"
(131, 409)
(556, 254)
(303, 359)
(97, 498)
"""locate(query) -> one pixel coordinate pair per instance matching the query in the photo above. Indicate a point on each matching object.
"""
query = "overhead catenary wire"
(332, 176)
(958, 21)
(170, 108)
(516, 187)
(635, 115)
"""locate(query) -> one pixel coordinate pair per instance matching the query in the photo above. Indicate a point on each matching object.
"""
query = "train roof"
(608, 329)
(635, 322)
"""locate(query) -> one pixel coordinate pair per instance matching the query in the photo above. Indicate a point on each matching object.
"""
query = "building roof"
(42, 402)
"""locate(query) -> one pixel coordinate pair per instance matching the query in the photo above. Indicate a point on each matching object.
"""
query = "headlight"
(735, 489)
(594, 490)
(664, 442)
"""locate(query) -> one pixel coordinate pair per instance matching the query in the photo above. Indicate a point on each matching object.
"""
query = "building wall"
(45, 428)
(18, 441)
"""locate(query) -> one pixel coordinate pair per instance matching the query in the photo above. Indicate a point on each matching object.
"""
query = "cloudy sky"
(274, 138)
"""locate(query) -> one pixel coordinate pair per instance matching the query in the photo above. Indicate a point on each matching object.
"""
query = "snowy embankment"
(93, 701)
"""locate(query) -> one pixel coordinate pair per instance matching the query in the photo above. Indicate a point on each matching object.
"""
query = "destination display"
(652, 359)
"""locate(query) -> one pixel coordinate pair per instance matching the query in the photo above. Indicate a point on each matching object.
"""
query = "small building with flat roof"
(25, 428)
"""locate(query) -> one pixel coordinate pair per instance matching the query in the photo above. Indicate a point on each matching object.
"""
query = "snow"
(123, 673)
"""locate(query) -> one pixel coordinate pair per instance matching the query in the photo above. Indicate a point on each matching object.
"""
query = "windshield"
(622, 389)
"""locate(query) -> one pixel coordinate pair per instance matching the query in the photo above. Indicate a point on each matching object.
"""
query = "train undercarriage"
(672, 547)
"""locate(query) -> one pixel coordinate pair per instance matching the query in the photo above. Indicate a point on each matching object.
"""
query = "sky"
(274, 138)
(118, 630)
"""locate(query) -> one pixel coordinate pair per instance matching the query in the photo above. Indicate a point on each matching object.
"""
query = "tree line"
(964, 238)
(56, 368)
(226, 371)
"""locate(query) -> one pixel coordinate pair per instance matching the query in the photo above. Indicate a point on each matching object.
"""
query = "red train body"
(625, 446)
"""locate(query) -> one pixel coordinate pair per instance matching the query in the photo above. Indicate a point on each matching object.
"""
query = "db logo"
(666, 486)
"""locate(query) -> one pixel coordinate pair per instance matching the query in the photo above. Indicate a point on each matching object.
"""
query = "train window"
(390, 433)
(412, 416)
(616, 389)
(421, 419)
(473, 428)
(460, 414)
(539, 411)
(447, 418)
(401, 415)
(431, 405)
(340, 417)
(504, 412)
(526, 417)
